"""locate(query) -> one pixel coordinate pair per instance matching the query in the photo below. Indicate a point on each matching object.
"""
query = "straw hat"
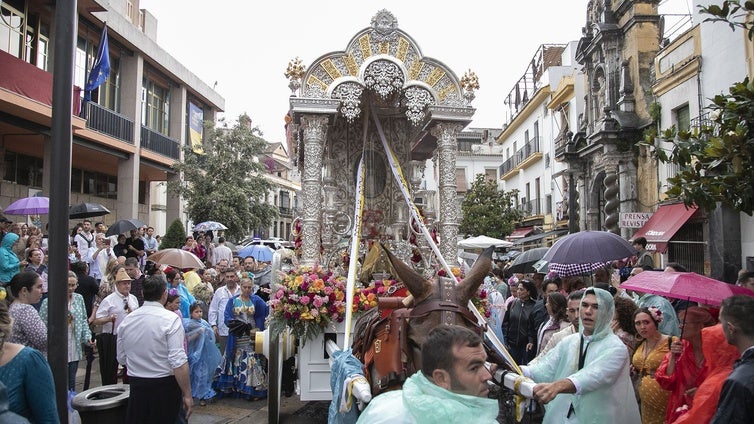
(122, 276)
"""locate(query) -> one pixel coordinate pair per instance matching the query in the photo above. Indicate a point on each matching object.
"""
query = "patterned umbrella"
(209, 226)
(35, 205)
(583, 252)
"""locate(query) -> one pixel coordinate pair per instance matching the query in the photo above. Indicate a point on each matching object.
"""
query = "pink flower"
(328, 290)
(317, 301)
(279, 294)
(304, 300)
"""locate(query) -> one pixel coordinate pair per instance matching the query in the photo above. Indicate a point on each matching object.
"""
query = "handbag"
(238, 328)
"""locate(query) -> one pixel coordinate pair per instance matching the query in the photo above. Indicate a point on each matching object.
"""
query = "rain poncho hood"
(9, 262)
(606, 393)
(421, 401)
(605, 312)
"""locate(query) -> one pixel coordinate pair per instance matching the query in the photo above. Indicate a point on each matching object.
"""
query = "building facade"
(124, 140)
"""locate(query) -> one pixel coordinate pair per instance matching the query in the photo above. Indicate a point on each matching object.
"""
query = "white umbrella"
(483, 242)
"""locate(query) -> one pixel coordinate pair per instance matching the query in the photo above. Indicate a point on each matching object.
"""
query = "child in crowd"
(203, 355)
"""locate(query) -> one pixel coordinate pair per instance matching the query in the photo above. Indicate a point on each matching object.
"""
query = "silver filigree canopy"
(349, 94)
(384, 78)
(416, 101)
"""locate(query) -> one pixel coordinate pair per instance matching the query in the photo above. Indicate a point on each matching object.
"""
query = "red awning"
(520, 232)
(663, 225)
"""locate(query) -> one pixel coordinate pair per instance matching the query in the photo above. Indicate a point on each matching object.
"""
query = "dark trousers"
(107, 347)
(153, 400)
(73, 367)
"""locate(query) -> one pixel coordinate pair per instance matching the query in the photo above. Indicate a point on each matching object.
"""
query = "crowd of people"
(597, 352)
(122, 308)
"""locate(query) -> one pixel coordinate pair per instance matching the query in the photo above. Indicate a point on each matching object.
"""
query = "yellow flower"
(3, 294)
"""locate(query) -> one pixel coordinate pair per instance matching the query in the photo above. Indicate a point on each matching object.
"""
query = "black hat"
(5, 220)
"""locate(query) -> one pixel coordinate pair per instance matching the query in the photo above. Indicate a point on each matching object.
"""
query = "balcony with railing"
(285, 211)
(532, 207)
(108, 122)
(522, 159)
(159, 143)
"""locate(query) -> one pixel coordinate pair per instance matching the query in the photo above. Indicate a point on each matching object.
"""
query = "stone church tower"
(617, 49)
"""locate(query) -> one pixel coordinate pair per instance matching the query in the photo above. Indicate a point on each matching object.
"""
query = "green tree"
(488, 211)
(226, 184)
(715, 161)
(175, 236)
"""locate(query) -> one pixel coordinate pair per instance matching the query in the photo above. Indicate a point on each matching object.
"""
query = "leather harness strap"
(431, 305)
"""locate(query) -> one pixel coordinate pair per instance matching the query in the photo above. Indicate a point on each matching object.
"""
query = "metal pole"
(66, 19)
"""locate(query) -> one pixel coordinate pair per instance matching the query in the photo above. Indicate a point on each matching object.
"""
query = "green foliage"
(226, 184)
(487, 211)
(715, 161)
(733, 13)
(175, 237)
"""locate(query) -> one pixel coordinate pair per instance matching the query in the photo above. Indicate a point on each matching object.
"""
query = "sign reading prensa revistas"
(634, 219)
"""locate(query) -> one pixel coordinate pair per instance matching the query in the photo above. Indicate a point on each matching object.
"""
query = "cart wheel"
(275, 371)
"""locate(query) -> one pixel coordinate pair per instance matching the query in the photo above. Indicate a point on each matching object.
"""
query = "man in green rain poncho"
(585, 378)
(450, 388)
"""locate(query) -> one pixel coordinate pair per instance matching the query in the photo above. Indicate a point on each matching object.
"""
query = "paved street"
(228, 411)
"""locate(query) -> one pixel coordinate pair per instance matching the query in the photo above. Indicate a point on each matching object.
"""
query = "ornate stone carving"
(349, 94)
(384, 78)
(447, 150)
(416, 100)
(385, 26)
(315, 132)
(612, 203)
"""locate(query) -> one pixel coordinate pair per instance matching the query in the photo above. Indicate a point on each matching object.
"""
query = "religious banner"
(196, 128)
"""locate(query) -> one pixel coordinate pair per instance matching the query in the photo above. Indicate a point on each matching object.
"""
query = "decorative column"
(447, 150)
(612, 201)
(315, 132)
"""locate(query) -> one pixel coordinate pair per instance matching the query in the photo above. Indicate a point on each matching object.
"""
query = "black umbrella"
(86, 210)
(123, 226)
(524, 262)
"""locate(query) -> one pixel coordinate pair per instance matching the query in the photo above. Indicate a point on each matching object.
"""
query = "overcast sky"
(246, 45)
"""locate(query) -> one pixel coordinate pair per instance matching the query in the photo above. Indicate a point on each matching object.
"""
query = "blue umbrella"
(209, 226)
(259, 252)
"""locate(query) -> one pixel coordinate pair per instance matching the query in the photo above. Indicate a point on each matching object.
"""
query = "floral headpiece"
(551, 275)
(513, 280)
(3, 293)
(656, 313)
(173, 292)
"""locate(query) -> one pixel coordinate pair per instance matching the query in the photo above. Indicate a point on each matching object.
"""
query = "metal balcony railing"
(159, 143)
(285, 211)
(106, 121)
(531, 147)
(532, 207)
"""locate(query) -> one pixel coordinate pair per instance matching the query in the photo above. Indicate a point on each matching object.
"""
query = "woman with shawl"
(242, 372)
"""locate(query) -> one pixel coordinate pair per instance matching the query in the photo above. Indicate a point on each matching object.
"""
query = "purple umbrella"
(35, 205)
(589, 248)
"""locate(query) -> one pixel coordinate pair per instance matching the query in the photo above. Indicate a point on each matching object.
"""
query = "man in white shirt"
(110, 314)
(150, 344)
(222, 252)
(216, 314)
(100, 256)
(85, 243)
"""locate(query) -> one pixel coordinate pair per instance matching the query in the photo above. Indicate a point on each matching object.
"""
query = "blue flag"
(101, 68)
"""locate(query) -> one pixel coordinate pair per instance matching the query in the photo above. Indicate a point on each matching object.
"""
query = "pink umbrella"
(684, 285)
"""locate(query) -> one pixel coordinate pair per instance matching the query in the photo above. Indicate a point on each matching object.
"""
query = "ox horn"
(475, 277)
(415, 282)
